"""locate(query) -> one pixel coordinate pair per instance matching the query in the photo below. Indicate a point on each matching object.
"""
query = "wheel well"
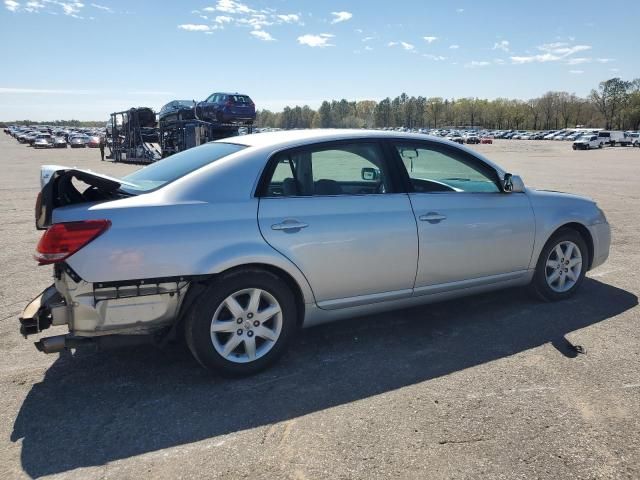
(585, 234)
(288, 279)
(197, 287)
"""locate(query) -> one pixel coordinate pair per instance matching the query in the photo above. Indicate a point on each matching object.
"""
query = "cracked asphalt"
(484, 387)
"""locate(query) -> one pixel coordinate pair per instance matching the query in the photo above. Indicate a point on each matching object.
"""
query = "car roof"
(293, 138)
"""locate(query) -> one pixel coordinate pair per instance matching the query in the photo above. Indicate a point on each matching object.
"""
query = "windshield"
(176, 166)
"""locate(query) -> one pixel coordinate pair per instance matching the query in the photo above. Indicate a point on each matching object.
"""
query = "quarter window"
(434, 169)
(344, 169)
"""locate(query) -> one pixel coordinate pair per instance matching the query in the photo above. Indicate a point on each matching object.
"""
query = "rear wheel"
(242, 322)
(561, 266)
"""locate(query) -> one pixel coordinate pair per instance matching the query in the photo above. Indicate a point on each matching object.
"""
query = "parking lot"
(483, 387)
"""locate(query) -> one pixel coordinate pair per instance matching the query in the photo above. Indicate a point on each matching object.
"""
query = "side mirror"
(370, 174)
(512, 183)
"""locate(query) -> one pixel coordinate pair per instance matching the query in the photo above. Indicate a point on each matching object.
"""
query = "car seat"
(327, 187)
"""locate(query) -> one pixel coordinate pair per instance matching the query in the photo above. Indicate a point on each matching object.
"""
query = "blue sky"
(65, 59)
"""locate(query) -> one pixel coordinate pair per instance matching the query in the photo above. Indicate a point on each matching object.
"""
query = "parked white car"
(587, 142)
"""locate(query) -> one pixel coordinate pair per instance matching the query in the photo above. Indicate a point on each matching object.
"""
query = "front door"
(333, 211)
(469, 230)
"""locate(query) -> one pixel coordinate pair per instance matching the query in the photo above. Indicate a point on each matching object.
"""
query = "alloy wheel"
(246, 325)
(563, 267)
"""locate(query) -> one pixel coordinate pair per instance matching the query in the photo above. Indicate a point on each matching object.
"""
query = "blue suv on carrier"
(227, 108)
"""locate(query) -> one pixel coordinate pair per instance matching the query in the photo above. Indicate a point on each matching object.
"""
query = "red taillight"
(62, 240)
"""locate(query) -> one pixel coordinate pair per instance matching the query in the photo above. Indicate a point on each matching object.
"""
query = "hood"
(555, 195)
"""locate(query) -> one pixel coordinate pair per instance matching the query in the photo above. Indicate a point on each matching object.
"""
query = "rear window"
(604, 134)
(176, 166)
(240, 98)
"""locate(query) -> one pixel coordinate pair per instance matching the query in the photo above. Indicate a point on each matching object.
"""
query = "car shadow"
(94, 408)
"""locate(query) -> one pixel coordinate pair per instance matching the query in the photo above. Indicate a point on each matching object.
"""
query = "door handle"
(289, 225)
(432, 217)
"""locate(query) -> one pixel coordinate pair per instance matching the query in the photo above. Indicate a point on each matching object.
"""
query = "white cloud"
(563, 49)
(547, 57)
(368, 39)
(289, 18)
(33, 7)
(262, 35)
(553, 52)
(454, 47)
(11, 5)
(502, 45)
(430, 39)
(222, 19)
(53, 7)
(459, 10)
(578, 60)
(576, 72)
(319, 41)
(614, 70)
(407, 46)
(192, 27)
(437, 58)
(476, 64)
(368, 48)
(230, 6)
(341, 16)
(102, 7)
(605, 60)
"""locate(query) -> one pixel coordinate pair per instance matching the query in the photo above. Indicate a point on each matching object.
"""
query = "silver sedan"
(239, 242)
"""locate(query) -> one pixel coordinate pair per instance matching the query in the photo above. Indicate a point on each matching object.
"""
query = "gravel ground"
(484, 387)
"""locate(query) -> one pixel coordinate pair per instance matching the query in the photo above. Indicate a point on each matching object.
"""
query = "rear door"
(469, 230)
(335, 211)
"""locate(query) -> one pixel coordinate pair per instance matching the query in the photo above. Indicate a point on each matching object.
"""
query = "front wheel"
(242, 322)
(561, 266)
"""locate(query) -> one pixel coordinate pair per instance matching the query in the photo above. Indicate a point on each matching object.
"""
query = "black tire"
(199, 319)
(539, 285)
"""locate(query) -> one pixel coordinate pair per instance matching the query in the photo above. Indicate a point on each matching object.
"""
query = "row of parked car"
(54, 137)
(582, 138)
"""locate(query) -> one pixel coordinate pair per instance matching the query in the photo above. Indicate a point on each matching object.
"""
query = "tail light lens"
(62, 240)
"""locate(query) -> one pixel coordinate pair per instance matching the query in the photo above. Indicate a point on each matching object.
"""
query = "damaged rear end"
(96, 313)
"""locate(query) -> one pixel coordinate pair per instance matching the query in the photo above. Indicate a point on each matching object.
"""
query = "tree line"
(615, 104)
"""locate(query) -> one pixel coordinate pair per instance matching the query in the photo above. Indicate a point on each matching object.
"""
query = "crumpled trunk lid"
(62, 186)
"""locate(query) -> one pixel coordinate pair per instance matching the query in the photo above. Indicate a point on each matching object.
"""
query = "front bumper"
(601, 235)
